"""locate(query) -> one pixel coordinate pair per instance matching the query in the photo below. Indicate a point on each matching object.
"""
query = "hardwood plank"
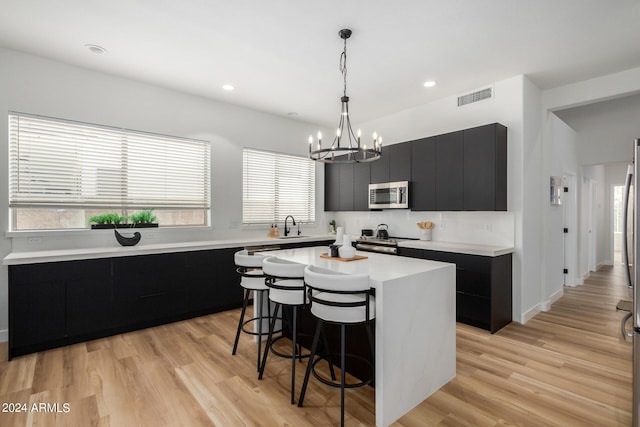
(566, 367)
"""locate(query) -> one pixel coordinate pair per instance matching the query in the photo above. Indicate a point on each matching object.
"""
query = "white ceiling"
(282, 55)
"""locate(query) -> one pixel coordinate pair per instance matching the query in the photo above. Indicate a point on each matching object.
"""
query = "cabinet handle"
(153, 295)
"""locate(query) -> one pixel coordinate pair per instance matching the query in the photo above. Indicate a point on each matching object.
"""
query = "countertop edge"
(461, 248)
(58, 255)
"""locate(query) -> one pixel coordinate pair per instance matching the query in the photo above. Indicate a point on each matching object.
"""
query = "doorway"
(617, 218)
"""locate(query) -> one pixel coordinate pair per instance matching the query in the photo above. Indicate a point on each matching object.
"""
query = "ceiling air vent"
(476, 96)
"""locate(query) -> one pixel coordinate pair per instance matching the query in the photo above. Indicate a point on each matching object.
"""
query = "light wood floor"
(565, 367)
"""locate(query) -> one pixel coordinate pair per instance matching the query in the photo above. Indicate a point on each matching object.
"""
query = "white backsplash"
(487, 228)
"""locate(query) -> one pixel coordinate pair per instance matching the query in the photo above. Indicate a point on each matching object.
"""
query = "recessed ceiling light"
(430, 83)
(228, 87)
(94, 48)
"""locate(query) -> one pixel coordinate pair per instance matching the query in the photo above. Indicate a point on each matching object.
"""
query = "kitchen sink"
(291, 237)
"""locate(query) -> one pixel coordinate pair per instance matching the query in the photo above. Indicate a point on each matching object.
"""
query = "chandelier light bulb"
(338, 132)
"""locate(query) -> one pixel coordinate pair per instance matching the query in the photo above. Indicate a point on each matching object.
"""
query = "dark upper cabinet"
(345, 198)
(393, 165)
(449, 171)
(485, 168)
(361, 181)
(331, 187)
(380, 167)
(423, 175)
(400, 162)
(458, 171)
(346, 186)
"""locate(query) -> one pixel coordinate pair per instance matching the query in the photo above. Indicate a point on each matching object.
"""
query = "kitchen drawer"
(471, 282)
(411, 253)
(473, 310)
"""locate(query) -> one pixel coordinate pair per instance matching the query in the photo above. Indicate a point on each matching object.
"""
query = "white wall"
(35, 85)
(606, 129)
(597, 174)
(530, 191)
(443, 116)
(605, 124)
(560, 160)
(615, 174)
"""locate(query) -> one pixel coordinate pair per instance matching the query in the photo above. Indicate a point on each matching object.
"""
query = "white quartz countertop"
(461, 248)
(380, 267)
(33, 257)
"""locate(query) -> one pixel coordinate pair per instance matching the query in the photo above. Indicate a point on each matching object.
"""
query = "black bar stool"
(341, 299)
(250, 269)
(286, 288)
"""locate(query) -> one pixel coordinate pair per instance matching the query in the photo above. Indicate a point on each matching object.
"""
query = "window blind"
(276, 185)
(64, 164)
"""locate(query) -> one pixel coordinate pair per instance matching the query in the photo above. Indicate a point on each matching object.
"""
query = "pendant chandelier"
(346, 146)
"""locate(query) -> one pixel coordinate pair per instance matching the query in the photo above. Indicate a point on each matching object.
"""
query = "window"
(276, 185)
(62, 172)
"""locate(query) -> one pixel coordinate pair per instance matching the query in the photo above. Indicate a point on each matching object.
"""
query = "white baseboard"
(4, 335)
(529, 314)
(556, 296)
(543, 306)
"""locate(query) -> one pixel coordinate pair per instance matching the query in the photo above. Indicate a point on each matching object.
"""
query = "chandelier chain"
(343, 67)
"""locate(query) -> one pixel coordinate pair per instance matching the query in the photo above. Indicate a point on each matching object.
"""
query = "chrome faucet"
(293, 222)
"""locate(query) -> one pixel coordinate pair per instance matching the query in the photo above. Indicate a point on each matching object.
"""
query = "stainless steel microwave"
(389, 195)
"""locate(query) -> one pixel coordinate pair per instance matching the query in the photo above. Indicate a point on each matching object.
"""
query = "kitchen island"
(415, 333)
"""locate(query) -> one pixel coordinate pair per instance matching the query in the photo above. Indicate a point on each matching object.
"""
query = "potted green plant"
(144, 218)
(107, 220)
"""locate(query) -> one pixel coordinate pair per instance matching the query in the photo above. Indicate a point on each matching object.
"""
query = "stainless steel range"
(373, 244)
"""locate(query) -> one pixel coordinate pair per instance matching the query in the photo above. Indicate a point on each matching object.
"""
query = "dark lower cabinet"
(148, 288)
(89, 296)
(213, 282)
(483, 286)
(60, 303)
(36, 306)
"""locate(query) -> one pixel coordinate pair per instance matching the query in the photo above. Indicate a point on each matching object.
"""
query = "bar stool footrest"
(332, 383)
(264, 333)
(288, 356)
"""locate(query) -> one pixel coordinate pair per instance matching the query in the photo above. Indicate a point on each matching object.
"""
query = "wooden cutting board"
(356, 258)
